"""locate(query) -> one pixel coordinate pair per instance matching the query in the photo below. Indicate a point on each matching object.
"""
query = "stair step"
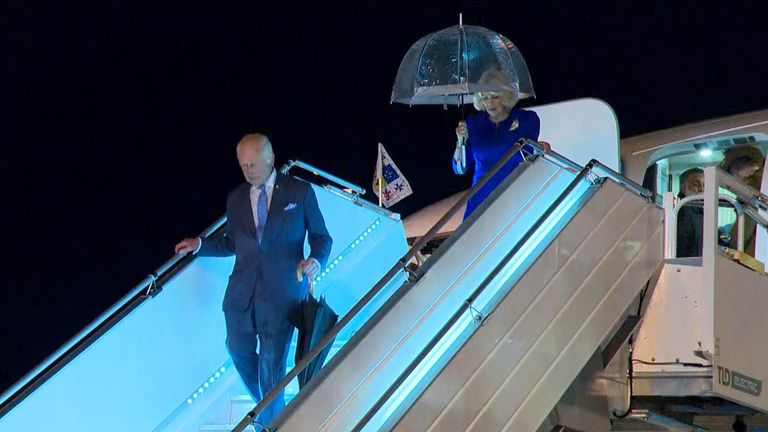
(223, 428)
(240, 405)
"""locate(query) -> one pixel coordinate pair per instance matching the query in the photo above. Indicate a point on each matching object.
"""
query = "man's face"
(693, 185)
(256, 163)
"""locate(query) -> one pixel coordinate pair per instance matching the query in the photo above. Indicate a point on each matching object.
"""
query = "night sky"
(118, 122)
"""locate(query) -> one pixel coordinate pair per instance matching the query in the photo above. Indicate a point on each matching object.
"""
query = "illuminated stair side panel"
(148, 363)
(514, 369)
(141, 373)
(485, 302)
(353, 268)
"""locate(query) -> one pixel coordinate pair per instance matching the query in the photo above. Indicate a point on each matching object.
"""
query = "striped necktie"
(261, 211)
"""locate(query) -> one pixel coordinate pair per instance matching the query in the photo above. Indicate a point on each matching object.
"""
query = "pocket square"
(290, 206)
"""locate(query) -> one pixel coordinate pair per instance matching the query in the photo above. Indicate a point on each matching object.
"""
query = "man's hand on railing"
(187, 245)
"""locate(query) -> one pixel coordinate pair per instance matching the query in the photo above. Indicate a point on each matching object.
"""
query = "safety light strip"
(332, 264)
(207, 383)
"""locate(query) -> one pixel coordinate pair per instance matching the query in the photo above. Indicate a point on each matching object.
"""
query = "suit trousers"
(259, 350)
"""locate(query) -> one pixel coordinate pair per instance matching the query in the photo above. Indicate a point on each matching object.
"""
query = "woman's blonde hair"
(495, 78)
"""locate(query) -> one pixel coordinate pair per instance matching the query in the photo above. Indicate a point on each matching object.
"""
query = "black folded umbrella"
(314, 319)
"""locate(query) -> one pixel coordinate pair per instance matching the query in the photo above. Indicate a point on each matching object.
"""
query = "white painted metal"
(581, 130)
(670, 228)
(761, 245)
(677, 323)
(366, 367)
(740, 370)
(706, 310)
(516, 367)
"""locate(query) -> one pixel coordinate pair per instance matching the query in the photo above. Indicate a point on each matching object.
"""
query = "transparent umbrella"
(444, 67)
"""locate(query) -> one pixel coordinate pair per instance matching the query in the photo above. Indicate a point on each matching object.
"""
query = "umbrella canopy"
(443, 67)
(314, 319)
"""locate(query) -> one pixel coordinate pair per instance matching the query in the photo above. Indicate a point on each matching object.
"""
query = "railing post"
(670, 226)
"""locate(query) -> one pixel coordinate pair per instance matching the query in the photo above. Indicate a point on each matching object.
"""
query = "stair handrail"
(581, 176)
(628, 185)
(462, 310)
(321, 173)
(671, 210)
(150, 286)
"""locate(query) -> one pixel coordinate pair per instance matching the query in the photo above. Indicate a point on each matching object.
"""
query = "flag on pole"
(389, 184)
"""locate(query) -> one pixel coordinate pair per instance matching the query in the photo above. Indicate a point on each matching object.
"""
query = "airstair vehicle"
(558, 305)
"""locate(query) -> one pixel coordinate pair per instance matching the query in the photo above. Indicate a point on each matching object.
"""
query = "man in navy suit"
(268, 219)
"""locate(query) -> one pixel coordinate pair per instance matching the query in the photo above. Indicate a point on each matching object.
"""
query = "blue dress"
(487, 144)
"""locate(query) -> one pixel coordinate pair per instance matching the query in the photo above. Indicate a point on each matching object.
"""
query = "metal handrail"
(397, 268)
(700, 197)
(608, 171)
(318, 172)
(554, 156)
(748, 202)
(62, 356)
(744, 193)
(483, 285)
(356, 200)
(625, 182)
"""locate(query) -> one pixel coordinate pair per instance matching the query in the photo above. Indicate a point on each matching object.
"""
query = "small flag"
(389, 184)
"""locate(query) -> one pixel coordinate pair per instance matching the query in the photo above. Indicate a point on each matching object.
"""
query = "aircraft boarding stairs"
(156, 360)
(506, 313)
(698, 360)
(503, 318)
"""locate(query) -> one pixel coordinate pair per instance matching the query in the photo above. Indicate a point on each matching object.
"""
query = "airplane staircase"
(503, 318)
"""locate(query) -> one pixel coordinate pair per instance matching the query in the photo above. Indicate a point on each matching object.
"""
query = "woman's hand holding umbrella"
(461, 131)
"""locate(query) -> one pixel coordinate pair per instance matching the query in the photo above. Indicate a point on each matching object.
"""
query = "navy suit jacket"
(267, 270)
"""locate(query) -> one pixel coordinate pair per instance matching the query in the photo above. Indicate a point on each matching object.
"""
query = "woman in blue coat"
(490, 134)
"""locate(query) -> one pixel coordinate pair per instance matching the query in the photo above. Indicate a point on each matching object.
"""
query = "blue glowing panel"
(165, 366)
(139, 371)
(484, 303)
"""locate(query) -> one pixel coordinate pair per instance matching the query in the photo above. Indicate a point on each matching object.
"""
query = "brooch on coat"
(289, 206)
(514, 125)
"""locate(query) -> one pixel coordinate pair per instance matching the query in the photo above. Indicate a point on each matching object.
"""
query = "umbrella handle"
(300, 278)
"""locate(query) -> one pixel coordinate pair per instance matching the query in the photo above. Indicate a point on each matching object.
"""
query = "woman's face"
(492, 103)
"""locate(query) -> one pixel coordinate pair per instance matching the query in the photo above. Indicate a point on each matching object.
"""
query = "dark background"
(118, 122)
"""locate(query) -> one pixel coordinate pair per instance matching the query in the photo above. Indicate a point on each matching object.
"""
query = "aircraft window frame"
(691, 155)
(666, 164)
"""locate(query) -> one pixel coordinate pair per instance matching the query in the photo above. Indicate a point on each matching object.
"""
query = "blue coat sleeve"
(223, 245)
(470, 159)
(530, 126)
(320, 242)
